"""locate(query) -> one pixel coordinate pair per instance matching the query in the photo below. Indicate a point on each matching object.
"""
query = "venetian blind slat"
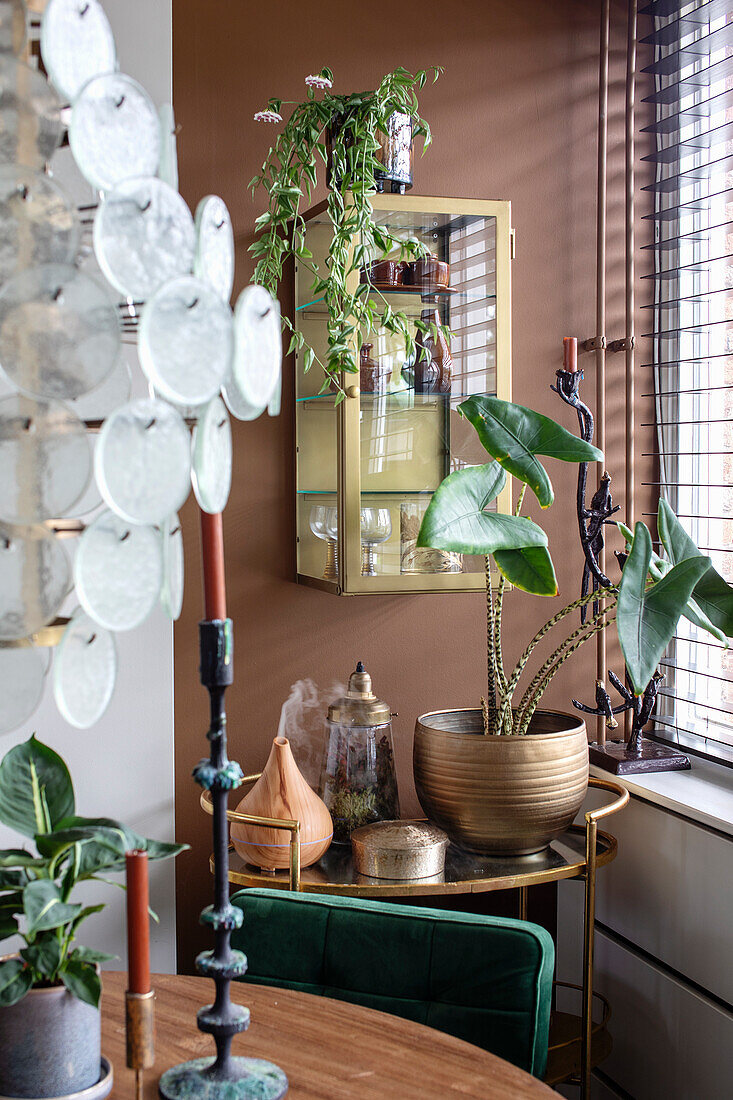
(690, 305)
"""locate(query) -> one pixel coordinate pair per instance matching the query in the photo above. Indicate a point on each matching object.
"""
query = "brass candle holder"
(140, 1030)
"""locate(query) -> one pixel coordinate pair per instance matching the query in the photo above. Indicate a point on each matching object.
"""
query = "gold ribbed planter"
(500, 795)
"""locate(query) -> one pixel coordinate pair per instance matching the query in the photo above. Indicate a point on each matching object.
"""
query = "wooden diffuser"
(282, 792)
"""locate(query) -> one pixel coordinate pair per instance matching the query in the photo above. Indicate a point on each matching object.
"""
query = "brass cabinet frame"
(348, 493)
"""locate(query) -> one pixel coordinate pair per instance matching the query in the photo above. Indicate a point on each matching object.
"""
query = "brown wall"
(514, 117)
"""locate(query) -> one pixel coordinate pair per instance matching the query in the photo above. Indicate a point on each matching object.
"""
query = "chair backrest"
(487, 980)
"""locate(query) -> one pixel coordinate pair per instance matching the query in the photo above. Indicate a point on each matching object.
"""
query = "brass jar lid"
(360, 706)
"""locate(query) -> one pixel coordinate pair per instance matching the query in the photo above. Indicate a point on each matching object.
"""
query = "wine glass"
(376, 527)
(324, 525)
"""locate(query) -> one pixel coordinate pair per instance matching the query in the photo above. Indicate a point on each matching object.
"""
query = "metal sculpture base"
(247, 1079)
(224, 1077)
(616, 758)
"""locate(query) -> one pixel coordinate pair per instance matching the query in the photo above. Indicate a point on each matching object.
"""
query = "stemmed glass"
(376, 527)
(323, 524)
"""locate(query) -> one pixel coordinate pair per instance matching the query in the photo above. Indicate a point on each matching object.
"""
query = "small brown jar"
(373, 375)
(384, 273)
(428, 274)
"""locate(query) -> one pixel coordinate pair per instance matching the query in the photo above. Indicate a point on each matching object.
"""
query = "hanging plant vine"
(289, 174)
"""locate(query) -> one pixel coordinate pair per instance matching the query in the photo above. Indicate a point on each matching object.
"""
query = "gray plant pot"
(50, 1045)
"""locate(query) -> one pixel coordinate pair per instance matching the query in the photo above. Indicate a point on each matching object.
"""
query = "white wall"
(123, 766)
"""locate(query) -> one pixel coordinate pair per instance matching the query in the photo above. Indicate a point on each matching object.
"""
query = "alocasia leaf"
(456, 518)
(659, 568)
(530, 569)
(514, 436)
(713, 595)
(646, 619)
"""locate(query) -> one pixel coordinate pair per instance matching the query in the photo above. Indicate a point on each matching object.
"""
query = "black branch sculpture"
(637, 754)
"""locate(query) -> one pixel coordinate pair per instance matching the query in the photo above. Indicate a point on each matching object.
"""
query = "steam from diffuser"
(303, 722)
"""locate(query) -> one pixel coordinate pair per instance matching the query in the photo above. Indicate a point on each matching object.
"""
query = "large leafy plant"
(37, 801)
(646, 605)
(289, 174)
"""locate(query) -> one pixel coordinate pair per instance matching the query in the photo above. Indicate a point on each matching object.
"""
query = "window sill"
(703, 795)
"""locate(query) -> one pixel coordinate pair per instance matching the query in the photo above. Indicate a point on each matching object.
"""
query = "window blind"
(690, 308)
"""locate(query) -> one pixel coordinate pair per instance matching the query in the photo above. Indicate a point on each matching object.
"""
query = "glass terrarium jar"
(358, 782)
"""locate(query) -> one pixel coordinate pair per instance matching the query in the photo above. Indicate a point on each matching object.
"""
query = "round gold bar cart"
(577, 1043)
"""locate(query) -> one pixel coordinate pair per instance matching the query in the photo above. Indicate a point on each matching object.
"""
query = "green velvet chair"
(487, 980)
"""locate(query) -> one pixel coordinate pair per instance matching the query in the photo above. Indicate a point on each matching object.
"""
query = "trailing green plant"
(37, 801)
(647, 604)
(289, 174)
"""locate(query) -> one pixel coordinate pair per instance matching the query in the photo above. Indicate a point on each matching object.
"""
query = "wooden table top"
(330, 1050)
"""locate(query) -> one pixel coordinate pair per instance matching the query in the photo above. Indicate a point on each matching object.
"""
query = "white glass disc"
(168, 170)
(21, 685)
(273, 409)
(189, 412)
(84, 671)
(104, 399)
(45, 460)
(76, 44)
(214, 262)
(114, 131)
(12, 26)
(38, 223)
(258, 350)
(30, 120)
(186, 341)
(59, 333)
(143, 461)
(91, 498)
(171, 595)
(35, 577)
(211, 470)
(143, 236)
(44, 652)
(118, 572)
(237, 404)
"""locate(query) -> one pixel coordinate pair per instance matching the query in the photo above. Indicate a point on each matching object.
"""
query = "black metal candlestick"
(637, 754)
(223, 1076)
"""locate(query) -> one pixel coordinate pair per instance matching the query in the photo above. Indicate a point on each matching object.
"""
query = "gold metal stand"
(564, 1055)
(140, 1028)
(576, 1043)
(592, 817)
(293, 827)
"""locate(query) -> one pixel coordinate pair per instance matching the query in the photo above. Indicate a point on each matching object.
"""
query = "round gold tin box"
(399, 849)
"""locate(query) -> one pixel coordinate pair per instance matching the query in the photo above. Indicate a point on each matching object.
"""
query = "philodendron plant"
(647, 604)
(37, 801)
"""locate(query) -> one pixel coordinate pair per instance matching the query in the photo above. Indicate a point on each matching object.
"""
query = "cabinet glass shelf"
(367, 466)
(394, 399)
(409, 300)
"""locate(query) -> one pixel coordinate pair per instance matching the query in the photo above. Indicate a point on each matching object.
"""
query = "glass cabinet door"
(366, 470)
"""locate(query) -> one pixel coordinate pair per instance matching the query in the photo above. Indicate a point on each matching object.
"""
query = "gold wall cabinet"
(367, 468)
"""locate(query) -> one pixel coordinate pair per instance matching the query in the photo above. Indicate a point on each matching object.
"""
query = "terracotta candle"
(570, 354)
(212, 554)
(138, 923)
